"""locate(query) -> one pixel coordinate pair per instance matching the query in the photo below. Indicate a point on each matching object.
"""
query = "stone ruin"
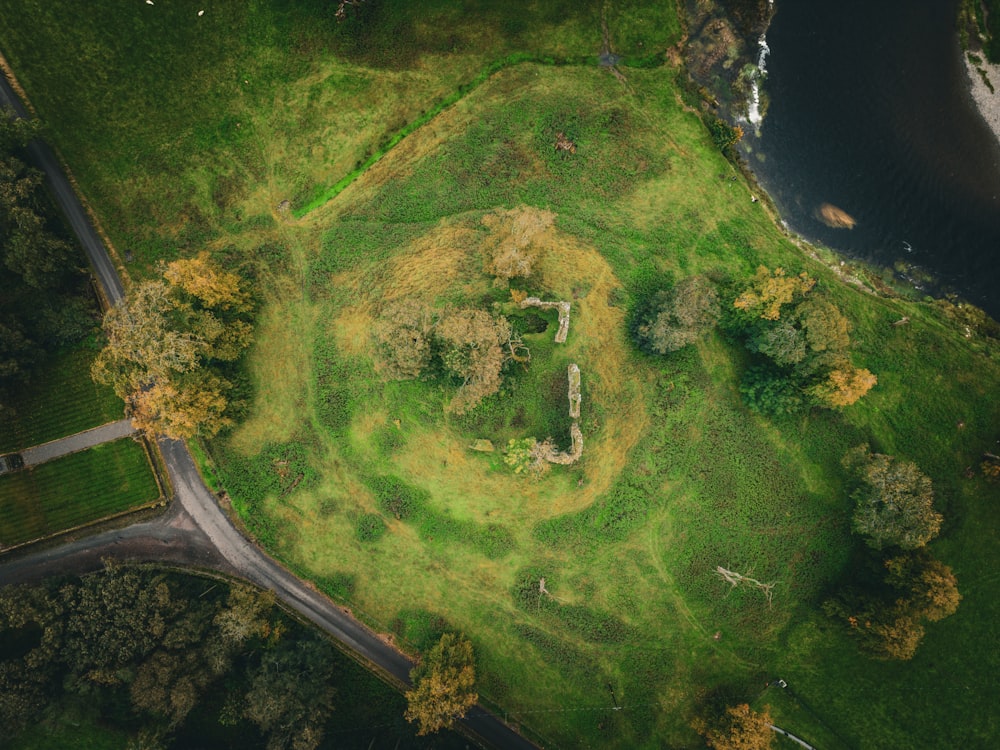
(545, 451)
(574, 391)
(564, 144)
(563, 308)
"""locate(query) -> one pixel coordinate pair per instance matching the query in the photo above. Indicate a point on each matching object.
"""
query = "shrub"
(369, 528)
(494, 541)
(397, 498)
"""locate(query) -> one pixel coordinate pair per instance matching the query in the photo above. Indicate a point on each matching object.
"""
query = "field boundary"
(454, 97)
(159, 501)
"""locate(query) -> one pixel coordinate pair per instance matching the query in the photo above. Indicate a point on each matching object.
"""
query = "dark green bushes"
(396, 498)
(369, 528)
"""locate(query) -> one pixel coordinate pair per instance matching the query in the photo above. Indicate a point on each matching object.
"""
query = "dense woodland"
(167, 660)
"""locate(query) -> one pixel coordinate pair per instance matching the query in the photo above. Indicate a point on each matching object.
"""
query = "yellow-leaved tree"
(163, 339)
(444, 685)
(740, 728)
(769, 290)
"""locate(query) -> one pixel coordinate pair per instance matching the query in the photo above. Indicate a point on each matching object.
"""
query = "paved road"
(196, 531)
(39, 454)
(68, 201)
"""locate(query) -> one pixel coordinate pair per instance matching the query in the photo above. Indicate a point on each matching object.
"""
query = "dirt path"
(39, 454)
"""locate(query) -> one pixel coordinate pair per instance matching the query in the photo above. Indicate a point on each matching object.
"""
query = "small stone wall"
(574, 391)
(563, 308)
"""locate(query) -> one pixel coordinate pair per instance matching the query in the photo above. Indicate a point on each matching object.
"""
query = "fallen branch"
(734, 579)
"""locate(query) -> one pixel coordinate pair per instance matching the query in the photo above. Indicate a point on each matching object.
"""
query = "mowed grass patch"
(59, 400)
(75, 490)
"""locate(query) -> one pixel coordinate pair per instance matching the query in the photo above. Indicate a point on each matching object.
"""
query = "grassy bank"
(72, 491)
(677, 477)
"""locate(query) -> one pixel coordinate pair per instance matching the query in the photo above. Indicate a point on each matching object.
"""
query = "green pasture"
(59, 400)
(74, 490)
(369, 487)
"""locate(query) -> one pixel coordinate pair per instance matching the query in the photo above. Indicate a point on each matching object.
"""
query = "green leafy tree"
(682, 316)
(291, 694)
(930, 584)
(443, 685)
(894, 501)
(889, 624)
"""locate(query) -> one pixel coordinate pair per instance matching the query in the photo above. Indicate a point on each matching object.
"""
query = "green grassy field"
(677, 476)
(74, 490)
(60, 400)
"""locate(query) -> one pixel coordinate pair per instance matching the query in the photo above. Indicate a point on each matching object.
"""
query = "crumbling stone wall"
(563, 308)
(574, 391)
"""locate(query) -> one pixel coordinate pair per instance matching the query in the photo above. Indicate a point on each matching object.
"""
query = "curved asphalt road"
(195, 532)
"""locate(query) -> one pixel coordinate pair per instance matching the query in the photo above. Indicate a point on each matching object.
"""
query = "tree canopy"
(44, 300)
(516, 241)
(681, 316)
(804, 340)
(162, 341)
(443, 685)
(894, 501)
(740, 728)
(468, 344)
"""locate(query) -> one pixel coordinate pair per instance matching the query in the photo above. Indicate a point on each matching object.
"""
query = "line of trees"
(798, 338)
(894, 512)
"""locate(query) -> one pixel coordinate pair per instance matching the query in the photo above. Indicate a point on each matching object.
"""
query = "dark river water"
(870, 112)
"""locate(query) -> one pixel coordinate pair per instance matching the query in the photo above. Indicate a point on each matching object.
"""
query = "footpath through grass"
(369, 488)
(75, 490)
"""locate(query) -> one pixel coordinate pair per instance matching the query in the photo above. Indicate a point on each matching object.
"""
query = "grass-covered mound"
(368, 486)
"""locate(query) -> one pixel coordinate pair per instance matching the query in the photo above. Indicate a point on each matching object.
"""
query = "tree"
(403, 336)
(203, 279)
(741, 728)
(473, 350)
(162, 340)
(769, 290)
(443, 685)
(516, 241)
(182, 406)
(291, 694)
(884, 628)
(246, 614)
(682, 315)
(843, 386)
(932, 586)
(894, 501)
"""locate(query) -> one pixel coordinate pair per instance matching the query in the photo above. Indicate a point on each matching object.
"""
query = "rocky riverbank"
(984, 78)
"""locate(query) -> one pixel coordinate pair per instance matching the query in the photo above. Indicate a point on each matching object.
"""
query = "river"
(870, 112)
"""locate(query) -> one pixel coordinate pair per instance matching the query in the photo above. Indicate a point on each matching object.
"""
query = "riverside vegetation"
(702, 545)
